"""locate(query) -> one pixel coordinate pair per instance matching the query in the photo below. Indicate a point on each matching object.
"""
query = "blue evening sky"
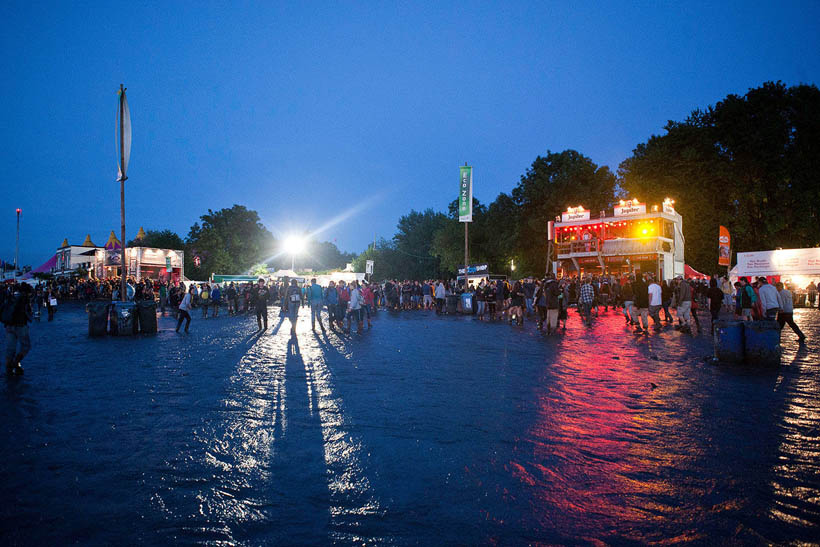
(306, 110)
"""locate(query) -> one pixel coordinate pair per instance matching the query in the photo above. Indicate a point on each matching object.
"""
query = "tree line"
(750, 163)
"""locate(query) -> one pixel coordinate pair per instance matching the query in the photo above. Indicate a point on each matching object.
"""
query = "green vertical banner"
(465, 194)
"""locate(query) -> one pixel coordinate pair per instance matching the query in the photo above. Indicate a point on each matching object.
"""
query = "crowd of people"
(547, 302)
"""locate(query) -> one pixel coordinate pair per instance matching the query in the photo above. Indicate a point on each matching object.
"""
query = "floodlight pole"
(17, 244)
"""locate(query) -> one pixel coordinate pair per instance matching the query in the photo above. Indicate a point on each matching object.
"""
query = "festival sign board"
(574, 213)
(465, 194)
(724, 247)
(630, 208)
(779, 262)
(475, 269)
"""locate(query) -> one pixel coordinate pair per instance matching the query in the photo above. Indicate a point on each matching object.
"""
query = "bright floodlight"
(294, 245)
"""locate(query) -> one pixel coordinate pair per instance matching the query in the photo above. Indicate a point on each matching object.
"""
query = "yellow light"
(623, 203)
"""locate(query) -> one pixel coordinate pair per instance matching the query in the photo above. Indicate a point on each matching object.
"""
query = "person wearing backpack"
(748, 298)
(16, 314)
(316, 299)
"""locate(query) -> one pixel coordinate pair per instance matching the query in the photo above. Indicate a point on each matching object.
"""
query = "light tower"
(17, 244)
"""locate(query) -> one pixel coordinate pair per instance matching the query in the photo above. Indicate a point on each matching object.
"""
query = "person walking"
(441, 294)
(586, 296)
(204, 298)
(655, 302)
(716, 300)
(629, 301)
(748, 298)
(666, 300)
(293, 298)
(683, 296)
(769, 300)
(354, 307)
(551, 292)
(786, 313)
(369, 306)
(216, 299)
(331, 301)
(51, 303)
(641, 295)
(185, 308)
(728, 293)
(16, 314)
(341, 308)
(316, 298)
(163, 297)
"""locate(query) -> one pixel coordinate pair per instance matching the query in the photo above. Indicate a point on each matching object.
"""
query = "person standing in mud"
(291, 302)
(260, 296)
(16, 314)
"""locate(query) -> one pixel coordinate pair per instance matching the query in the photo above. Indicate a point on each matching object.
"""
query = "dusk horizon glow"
(303, 114)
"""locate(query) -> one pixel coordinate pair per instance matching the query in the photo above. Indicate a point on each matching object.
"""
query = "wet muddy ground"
(423, 430)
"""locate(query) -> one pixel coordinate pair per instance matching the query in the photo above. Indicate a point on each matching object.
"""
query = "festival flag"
(124, 124)
(465, 194)
(724, 248)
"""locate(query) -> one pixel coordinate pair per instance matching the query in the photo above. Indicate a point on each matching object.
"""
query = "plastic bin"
(123, 319)
(97, 318)
(467, 303)
(762, 342)
(147, 313)
(452, 303)
(729, 338)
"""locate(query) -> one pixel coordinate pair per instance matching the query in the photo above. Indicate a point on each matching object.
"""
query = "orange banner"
(724, 248)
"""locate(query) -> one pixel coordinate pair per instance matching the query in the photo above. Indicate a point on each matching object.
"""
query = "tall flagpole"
(123, 295)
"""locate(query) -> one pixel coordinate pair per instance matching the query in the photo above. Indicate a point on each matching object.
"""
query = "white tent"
(285, 273)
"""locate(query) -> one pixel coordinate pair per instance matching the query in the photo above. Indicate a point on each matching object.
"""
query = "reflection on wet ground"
(424, 430)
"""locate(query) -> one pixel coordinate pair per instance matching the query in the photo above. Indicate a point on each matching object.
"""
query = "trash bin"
(728, 339)
(123, 320)
(452, 303)
(147, 313)
(467, 303)
(762, 342)
(97, 318)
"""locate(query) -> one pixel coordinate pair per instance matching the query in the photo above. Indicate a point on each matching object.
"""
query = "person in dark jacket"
(260, 297)
(16, 315)
(640, 292)
(715, 296)
(550, 291)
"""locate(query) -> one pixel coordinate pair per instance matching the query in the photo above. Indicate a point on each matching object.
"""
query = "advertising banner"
(168, 267)
(465, 194)
(475, 269)
(724, 248)
(779, 262)
(368, 267)
(574, 214)
(630, 209)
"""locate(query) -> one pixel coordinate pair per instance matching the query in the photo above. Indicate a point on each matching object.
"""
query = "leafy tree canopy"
(159, 239)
